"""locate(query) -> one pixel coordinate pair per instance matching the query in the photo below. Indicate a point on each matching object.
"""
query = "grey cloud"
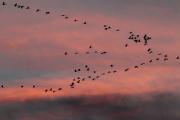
(106, 107)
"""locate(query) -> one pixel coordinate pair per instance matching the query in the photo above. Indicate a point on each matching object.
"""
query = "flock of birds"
(89, 72)
(133, 37)
(90, 51)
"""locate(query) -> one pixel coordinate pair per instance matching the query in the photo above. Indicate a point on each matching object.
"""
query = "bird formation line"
(92, 74)
(89, 51)
(133, 37)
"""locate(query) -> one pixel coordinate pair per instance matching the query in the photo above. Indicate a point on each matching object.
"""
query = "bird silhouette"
(46, 90)
(126, 45)
(22, 6)
(114, 71)
(106, 28)
(165, 59)
(66, 17)
(75, 20)
(4, 3)
(89, 77)
(142, 63)
(150, 61)
(72, 84)
(103, 52)
(59, 89)
(157, 59)
(136, 67)
(15, 5)
(126, 69)
(149, 50)
(97, 77)
(65, 53)
(146, 39)
(111, 65)
(37, 10)
(27, 7)
(165, 55)
(47, 13)
(2, 86)
(104, 25)
(88, 69)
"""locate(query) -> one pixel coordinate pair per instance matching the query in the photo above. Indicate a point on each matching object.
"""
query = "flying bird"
(146, 38)
(165, 59)
(4, 3)
(126, 45)
(15, 5)
(37, 10)
(75, 20)
(126, 69)
(159, 53)
(103, 53)
(27, 7)
(65, 53)
(165, 55)
(114, 71)
(66, 17)
(59, 89)
(46, 90)
(149, 50)
(157, 59)
(150, 61)
(47, 13)
(142, 63)
(104, 25)
(136, 67)
(2, 86)
(111, 65)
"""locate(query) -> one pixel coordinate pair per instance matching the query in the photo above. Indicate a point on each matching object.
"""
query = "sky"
(32, 52)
